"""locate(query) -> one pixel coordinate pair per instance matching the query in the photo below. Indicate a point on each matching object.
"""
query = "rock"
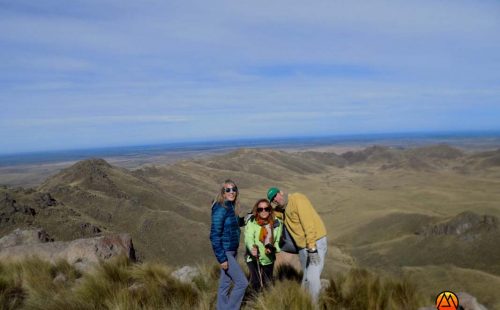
(89, 229)
(469, 302)
(113, 245)
(325, 284)
(136, 287)
(60, 279)
(27, 210)
(7, 208)
(7, 201)
(82, 253)
(24, 237)
(186, 274)
(45, 200)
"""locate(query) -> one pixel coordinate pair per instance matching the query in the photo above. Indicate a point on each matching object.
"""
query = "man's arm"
(305, 211)
(277, 237)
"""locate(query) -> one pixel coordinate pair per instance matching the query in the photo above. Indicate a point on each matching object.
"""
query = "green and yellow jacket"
(252, 232)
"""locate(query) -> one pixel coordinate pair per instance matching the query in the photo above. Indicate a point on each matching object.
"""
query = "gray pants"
(227, 298)
(311, 279)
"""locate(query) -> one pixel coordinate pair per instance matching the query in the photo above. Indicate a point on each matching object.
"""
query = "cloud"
(158, 63)
(95, 120)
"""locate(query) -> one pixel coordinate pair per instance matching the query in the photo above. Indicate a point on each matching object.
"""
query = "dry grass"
(119, 284)
(283, 295)
(362, 289)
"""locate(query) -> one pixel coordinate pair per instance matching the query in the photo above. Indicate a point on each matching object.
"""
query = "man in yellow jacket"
(309, 233)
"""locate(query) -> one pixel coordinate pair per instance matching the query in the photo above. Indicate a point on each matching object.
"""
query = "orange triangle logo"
(447, 301)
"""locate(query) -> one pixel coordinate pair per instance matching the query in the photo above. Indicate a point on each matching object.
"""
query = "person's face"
(279, 199)
(264, 210)
(230, 192)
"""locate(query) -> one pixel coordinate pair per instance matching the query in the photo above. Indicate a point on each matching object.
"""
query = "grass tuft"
(12, 293)
(283, 295)
(362, 289)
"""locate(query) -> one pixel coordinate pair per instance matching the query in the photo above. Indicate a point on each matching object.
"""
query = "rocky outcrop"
(31, 208)
(24, 237)
(467, 224)
(45, 200)
(82, 253)
(13, 212)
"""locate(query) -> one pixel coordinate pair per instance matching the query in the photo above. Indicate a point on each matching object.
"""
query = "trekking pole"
(258, 267)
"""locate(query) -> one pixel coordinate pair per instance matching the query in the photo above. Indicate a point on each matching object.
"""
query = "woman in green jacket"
(262, 235)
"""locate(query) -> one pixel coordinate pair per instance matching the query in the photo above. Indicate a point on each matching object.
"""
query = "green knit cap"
(272, 192)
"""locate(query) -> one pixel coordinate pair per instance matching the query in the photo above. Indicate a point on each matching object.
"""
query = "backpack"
(287, 244)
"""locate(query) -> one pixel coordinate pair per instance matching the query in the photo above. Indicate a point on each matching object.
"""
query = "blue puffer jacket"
(225, 230)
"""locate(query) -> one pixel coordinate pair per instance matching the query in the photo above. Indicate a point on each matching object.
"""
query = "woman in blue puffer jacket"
(225, 238)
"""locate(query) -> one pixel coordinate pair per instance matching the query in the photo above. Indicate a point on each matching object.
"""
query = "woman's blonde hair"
(220, 195)
(256, 205)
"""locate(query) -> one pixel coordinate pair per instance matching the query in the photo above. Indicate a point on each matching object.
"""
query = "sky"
(97, 73)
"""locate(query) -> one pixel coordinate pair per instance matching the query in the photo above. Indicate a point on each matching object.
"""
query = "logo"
(447, 301)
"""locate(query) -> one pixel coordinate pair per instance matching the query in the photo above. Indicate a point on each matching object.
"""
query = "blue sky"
(88, 73)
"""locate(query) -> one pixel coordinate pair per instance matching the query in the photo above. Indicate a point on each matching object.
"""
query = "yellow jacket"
(303, 222)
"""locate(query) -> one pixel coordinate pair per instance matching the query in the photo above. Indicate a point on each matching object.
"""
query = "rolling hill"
(385, 208)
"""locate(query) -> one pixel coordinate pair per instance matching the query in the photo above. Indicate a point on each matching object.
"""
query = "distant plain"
(31, 169)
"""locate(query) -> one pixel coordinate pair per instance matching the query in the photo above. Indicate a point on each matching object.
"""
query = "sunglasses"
(267, 209)
(231, 189)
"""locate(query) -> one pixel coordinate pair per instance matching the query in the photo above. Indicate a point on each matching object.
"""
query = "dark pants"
(266, 272)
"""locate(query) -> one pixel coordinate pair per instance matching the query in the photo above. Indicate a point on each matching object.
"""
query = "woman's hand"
(270, 249)
(224, 265)
(254, 251)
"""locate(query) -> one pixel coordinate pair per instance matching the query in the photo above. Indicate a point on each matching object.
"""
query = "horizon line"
(263, 140)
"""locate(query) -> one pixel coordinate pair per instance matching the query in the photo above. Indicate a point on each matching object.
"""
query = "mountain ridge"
(166, 208)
